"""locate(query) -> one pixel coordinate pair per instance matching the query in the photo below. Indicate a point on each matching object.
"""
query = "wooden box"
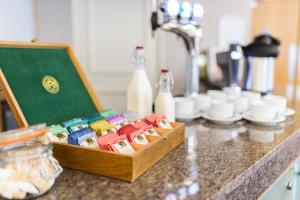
(23, 68)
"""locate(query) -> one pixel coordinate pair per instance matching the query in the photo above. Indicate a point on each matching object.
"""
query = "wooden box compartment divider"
(22, 68)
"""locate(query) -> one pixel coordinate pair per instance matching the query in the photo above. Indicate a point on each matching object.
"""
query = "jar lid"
(22, 134)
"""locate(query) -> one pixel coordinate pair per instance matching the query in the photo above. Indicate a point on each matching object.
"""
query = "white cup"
(217, 95)
(232, 98)
(241, 105)
(233, 92)
(253, 97)
(279, 101)
(184, 106)
(202, 102)
(221, 109)
(263, 111)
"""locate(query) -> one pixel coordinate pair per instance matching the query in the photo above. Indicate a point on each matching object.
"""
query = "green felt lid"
(26, 68)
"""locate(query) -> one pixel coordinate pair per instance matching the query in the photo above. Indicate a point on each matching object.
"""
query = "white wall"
(214, 9)
(103, 34)
(17, 20)
(54, 21)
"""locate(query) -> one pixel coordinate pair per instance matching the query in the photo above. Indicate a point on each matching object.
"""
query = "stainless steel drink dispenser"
(259, 64)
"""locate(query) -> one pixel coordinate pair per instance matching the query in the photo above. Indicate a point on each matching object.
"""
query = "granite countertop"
(215, 162)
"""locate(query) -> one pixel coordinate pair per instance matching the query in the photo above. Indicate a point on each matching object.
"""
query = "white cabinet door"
(104, 42)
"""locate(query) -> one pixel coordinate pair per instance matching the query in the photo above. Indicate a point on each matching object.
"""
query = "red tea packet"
(104, 140)
(114, 142)
(151, 119)
(140, 124)
(158, 121)
(127, 130)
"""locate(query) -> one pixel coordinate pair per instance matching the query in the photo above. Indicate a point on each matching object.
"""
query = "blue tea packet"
(81, 135)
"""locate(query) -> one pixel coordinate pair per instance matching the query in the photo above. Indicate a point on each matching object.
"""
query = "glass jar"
(27, 166)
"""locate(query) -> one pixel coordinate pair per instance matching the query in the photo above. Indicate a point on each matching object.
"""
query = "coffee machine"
(250, 67)
(259, 63)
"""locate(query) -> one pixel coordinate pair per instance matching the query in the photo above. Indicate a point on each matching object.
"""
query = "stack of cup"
(232, 93)
(263, 111)
(221, 110)
(253, 97)
(217, 95)
(202, 102)
(234, 96)
(279, 101)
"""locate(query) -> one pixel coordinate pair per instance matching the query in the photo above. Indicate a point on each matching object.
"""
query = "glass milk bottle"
(139, 92)
(164, 102)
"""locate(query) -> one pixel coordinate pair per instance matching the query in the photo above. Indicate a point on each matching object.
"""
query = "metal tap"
(191, 32)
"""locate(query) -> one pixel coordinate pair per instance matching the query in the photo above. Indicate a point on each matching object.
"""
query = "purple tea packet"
(117, 120)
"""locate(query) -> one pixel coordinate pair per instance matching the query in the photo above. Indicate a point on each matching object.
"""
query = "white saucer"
(288, 112)
(277, 120)
(216, 120)
(190, 117)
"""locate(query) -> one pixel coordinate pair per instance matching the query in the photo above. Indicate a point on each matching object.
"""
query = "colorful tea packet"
(158, 121)
(80, 135)
(151, 119)
(102, 127)
(58, 134)
(127, 130)
(89, 141)
(162, 122)
(122, 145)
(150, 131)
(139, 138)
(107, 113)
(75, 125)
(78, 127)
(141, 124)
(93, 118)
(105, 140)
(115, 143)
(117, 120)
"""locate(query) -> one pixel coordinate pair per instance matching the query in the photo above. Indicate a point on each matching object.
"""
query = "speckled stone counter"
(215, 162)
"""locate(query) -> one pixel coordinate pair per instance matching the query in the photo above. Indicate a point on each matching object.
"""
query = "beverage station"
(231, 137)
